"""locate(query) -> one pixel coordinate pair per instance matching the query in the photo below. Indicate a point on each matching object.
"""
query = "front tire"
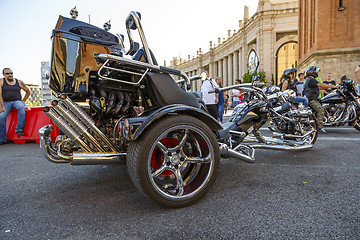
(175, 162)
(356, 124)
(313, 124)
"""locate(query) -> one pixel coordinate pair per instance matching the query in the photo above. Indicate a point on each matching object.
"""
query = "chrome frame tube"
(136, 18)
(275, 134)
(144, 65)
(282, 147)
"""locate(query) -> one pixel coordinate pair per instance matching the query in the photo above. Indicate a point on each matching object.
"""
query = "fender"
(131, 128)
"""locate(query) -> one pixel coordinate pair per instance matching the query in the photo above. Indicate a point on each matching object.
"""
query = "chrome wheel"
(175, 162)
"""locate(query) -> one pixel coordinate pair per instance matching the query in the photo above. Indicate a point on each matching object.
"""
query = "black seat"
(171, 93)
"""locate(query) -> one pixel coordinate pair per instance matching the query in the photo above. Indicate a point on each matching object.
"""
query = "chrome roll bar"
(134, 18)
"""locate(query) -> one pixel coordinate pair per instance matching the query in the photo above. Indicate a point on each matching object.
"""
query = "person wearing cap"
(311, 91)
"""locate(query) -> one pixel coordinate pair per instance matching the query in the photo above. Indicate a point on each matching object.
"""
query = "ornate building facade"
(271, 33)
(329, 36)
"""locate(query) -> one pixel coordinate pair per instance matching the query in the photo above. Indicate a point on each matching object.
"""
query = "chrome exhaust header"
(75, 158)
(87, 120)
(79, 127)
(66, 128)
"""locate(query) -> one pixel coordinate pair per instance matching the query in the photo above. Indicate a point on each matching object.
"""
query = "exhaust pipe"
(282, 147)
(98, 159)
(45, 146)
(230, 153)
(87, 120)
(68, 130)
(76, 158)
(81, 128)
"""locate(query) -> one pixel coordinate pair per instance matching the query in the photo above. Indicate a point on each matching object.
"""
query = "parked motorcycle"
(279, 117)
(342, 106)
(120, 106)
(293, 128)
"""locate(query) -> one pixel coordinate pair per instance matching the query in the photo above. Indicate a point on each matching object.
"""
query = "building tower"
(329, 36)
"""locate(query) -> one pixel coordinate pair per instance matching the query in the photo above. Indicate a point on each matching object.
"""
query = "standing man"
(210, 99)
(10, 97)
(311, 91)
(329, 80)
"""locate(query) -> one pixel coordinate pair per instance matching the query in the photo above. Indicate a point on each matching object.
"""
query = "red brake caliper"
(157, 155)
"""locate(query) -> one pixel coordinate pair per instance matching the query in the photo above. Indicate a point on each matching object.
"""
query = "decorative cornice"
(241, 35)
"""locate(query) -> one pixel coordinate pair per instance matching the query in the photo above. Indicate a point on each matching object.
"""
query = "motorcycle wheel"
(175, 162)
(314, 124)
(356, 124)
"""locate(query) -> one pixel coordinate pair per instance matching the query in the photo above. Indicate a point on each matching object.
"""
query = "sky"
(172, 28)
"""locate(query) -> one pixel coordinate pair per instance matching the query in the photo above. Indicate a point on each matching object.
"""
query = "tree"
(247, 77)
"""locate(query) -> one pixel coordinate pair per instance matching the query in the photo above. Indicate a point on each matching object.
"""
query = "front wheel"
(311, 127)
(356, 124)
(175, 162)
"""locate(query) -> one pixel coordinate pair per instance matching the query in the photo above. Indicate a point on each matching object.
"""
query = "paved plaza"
(302, 195)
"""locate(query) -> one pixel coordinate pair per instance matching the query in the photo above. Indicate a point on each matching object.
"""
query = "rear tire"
(175, 162)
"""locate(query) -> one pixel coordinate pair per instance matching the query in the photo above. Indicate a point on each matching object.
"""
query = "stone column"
(216, 64)
(220, 68)
(211, 70)
(236, 65)
(242, 63)
(225, 70)
(230, 78)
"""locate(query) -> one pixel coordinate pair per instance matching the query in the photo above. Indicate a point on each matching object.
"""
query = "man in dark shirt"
(10, 97)
(311, 91)
(331, 81)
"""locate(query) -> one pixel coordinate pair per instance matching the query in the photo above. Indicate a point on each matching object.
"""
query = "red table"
(35, 119)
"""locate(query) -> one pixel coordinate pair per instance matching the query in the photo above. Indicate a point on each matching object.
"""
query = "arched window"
(286, 57)
(252, 61)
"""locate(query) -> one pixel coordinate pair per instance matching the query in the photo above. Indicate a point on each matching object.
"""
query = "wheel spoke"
(180, 182)
(206, 159)
(162, 147)
(199, 159)
(160, 170)
(181, 143)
